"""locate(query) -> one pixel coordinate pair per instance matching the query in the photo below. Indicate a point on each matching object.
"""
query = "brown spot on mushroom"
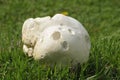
(65, 45)
(87, 39)
(61, 24)
(72, 32)
(56, 35)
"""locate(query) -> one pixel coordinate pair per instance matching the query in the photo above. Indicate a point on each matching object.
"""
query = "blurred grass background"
(101, 18)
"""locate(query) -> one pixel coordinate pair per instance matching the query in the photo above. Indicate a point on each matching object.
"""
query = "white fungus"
(56, 39)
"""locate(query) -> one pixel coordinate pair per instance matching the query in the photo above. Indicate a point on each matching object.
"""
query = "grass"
(101, 19)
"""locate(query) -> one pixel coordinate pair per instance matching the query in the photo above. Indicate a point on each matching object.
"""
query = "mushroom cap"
(58, 39)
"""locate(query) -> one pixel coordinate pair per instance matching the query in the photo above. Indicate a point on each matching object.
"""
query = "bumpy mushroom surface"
(56, 39)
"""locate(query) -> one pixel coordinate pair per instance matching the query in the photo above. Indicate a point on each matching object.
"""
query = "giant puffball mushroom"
(56, 39)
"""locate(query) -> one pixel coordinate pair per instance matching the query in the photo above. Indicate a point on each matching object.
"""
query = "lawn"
(101, 18)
